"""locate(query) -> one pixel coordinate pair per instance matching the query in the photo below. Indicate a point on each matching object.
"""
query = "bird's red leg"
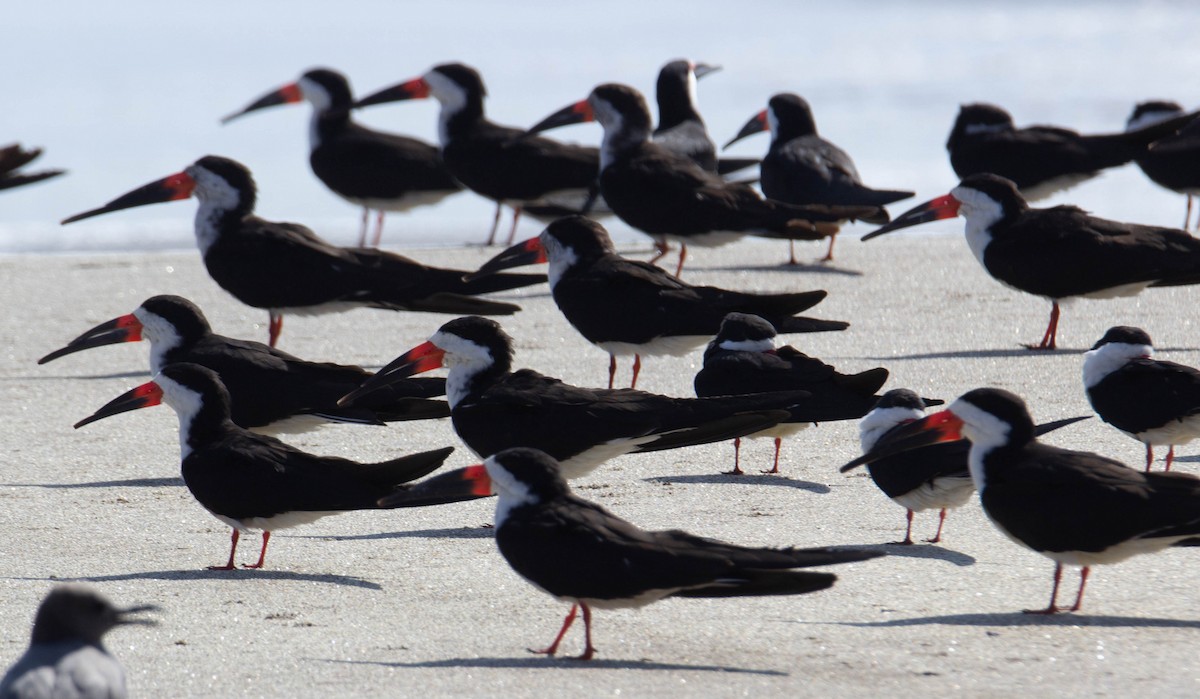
(362, 231)
(274, 327)
(553, 647)
(1053, 608)
(637, 369)
(232, 550)
(262, 554)
(1187, 217)
(792, 253)
(1083, 576)
(378, 229)
(495, 224)
(737, 452)
(829, 253)
(612, 369)
(907, 531)
(775, 468)
(941, 521)
(1149, 457)
(1170, 457)
(682, 257)
(588, 649)
(661, 248)
(1050, 339)
(512, 233)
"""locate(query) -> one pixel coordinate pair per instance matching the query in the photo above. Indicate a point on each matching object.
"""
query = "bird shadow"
(541, 662)
(455, 533)
(1023, 619)
(798, 268)
(980, 354)
(239, 573)
(928, 551)
(744, 479)
(128, 483)
(91, 377)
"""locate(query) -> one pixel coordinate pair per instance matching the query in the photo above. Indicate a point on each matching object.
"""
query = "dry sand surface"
(409, 602)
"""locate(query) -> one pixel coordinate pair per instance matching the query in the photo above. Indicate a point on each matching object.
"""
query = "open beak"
(574, 114)
(702, 69)
(470, 483)
(757, 124)
(288, 94)
(177, 186)
(943, 426)
(414, 89)
(934, 210)
(528, 252)
(127, 328)
(143, 396)
(422, 358)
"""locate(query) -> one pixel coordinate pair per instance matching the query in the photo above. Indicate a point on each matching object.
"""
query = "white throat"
(1099, 363)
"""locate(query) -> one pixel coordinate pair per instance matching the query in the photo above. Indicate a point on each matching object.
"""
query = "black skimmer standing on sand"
(680, 128)
(1151, 400)
(1059, 253)
(12, 158)
(669, 197)
(742, 359)
(251, 481)
(368, 168)
(802, 168)
(66, 655)
(494, 408)
(494, 161)
(1042, 160)
(270, 390)
(286, 268)
(581, 553)
(630, 307)
(1074, 507)
(1171, 161)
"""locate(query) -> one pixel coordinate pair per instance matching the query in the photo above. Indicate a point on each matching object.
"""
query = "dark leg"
(682, 257)
(612, 369)
(907, 531)
(1053, 608)
(737, 453)
(1083, 576)
(792, 253)
(553, 647)
(512, 233)
(637, 369)
(274, 327)
(378, 229)
(495, 224)
(661, 248)
(232, 550)
(262, 554)
(829, 253)
(941, 521)
(362, 231)
(775, 468)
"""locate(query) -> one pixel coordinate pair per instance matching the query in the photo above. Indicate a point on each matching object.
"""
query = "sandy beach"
(419, 602)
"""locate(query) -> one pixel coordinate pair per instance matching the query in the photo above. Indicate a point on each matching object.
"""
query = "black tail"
(405, 468)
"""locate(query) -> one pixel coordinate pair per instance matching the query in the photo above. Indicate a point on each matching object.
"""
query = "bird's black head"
(1123, 334)
(464, 76)
(900, 398)
(583, 236)
(674, 93)
(230, 172)
(1152, 111)
(485, 333)
(183, 315)
(335, 85)
(528, 473)
(793, 116)
(77, 612)
(1000, 190)
(1003, 406)
(623, 102)
(745, 327)
(978, 118)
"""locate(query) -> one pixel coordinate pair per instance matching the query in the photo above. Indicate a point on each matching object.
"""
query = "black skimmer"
(630, 307)
(802, 168)
(368, 168)
(252, 481)
(1074, 507)
(286, 268)
(1170, 161)
(498, 162)
(680, 128)
(494, 408)
(743, 358)
(270, 390)
(579, 552)
(669, 197)
(12, 158)
(66, 655)
(1059, 253)
(1042, 160)
(1151, 400)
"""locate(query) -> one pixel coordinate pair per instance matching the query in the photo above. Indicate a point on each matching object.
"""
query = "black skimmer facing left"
(743, 358)
(252, 481)
(368, 168)
(286, 268)
(270, 390)
(1059, 253)
(1042, 160)
(669, 197)
(12, 158)
(579, 552)
(630, 307)
(494, 408)
(1172, 161)
(1074, 507)
(680, 128)
(1151, 400)
(494, 161)
(802, 168)
(66, 655)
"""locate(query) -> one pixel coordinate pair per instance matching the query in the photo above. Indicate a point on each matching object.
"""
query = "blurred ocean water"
(124, 93)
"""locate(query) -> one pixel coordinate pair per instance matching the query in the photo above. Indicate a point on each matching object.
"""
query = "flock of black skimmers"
(535, 432)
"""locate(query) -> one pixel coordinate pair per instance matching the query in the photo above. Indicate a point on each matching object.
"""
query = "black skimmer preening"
(1059, 253)
(12, 158)
(802, 168)
(743, 358)
(669, 197)
(498, 162)
(1151, 400)
(252, 481)
(1171, 161)
(630, 307)
(286, 268)
(680, 128)
(270, 390)
(372, 169)
(66, 655)
(579, 552)
(1074, 507)
(1042, 160)
(493, 407)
